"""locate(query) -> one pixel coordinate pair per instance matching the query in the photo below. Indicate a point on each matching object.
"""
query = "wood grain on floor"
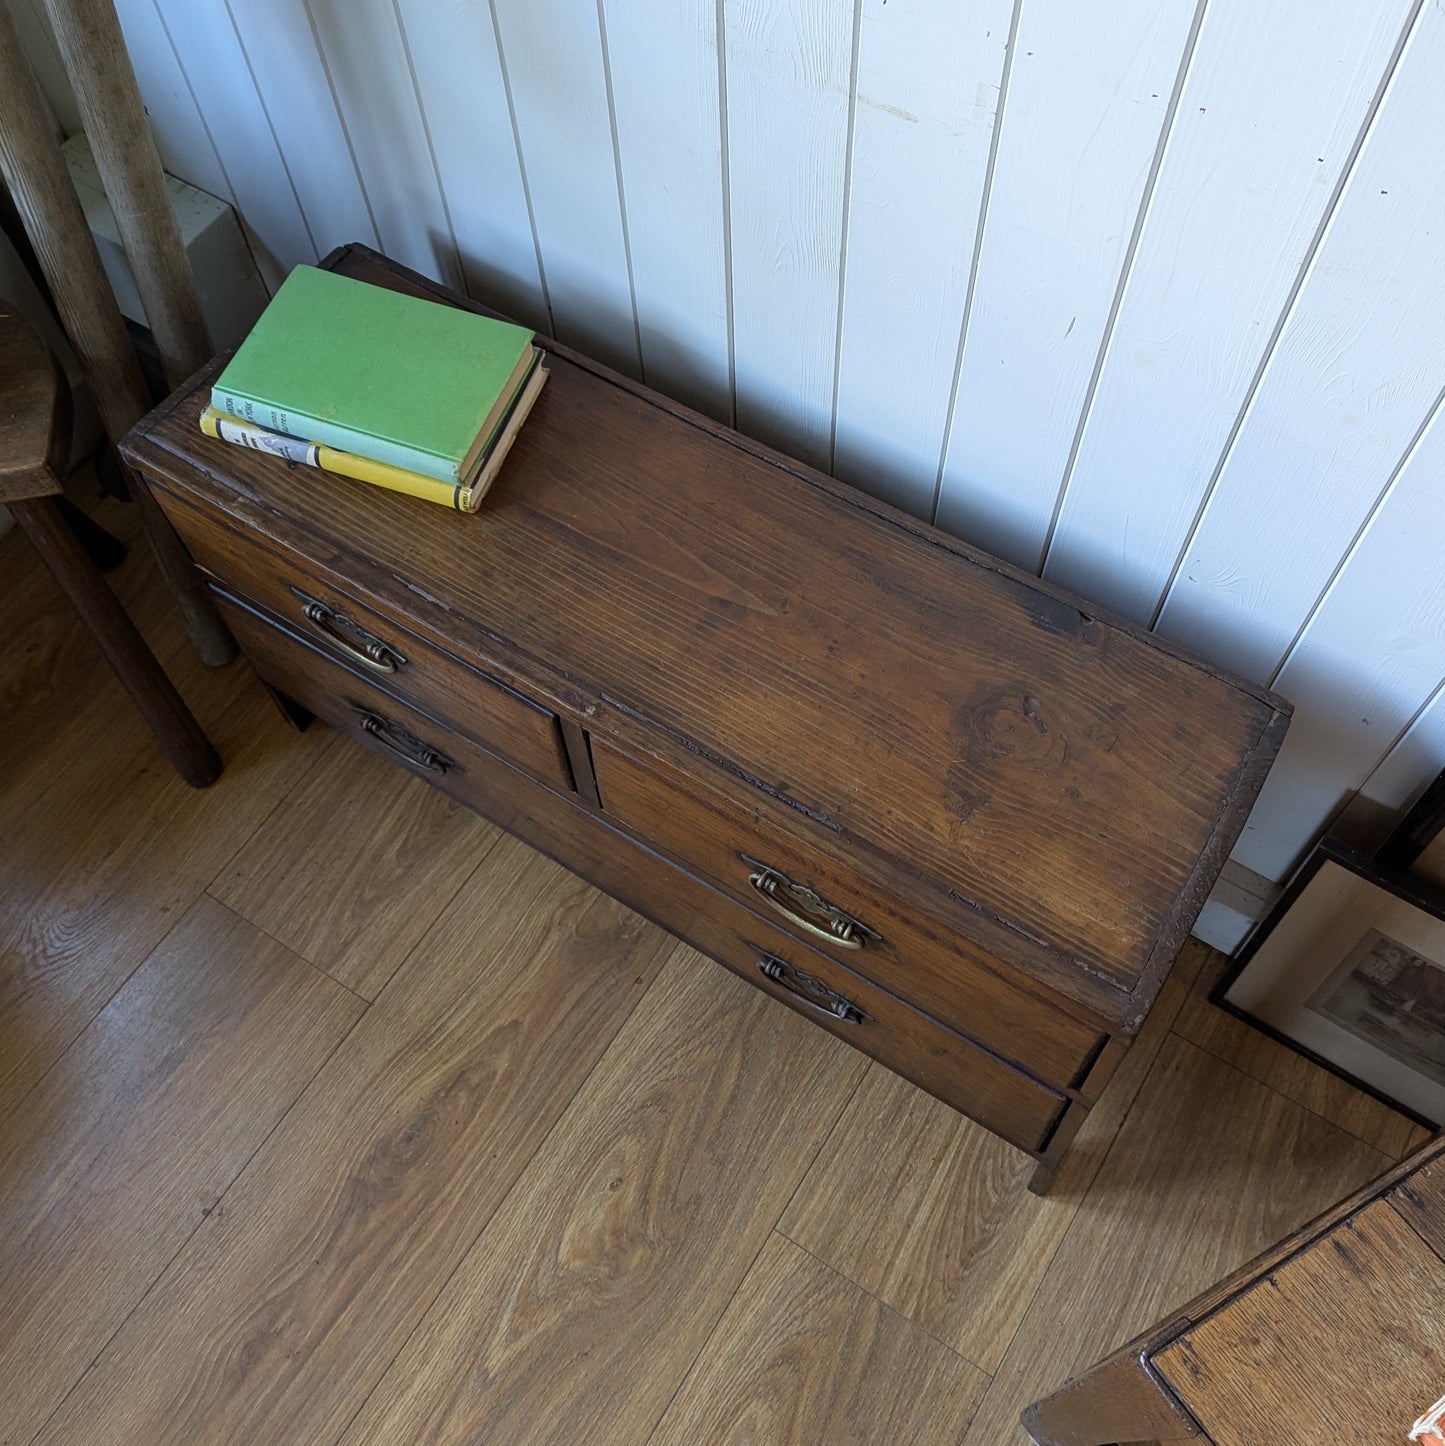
(803, 1354)
(932, 1214)
(1209, 1168)
(284, 1309)
(586, 1300)
(127, 1145)
(354, 865)
(554, 1177)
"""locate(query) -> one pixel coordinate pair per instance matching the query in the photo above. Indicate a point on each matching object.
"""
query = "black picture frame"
(1344, 971)
(1417, 830)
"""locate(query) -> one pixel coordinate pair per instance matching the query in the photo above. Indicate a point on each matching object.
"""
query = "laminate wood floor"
(330, 1114)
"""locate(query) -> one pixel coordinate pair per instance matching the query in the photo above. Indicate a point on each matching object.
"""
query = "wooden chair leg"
(180, 736)
(212, 638)
(34, 170)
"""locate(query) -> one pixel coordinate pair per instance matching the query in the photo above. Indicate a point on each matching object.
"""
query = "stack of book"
(379, 386)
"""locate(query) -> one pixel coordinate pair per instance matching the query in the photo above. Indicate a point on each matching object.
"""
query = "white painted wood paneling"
(927, 94)
(1357, 369)
(370, 68)
(665, 87)
(209, 52)
(459, 79)
(1238, 207)
(789, 71)
(175, 118)
(294, 87)
(1369, 662)
(774, 206)
(557, 72)
(1089, 91)
(1398, 779)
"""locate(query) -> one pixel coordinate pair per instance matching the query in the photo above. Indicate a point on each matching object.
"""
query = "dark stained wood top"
(1072, 783)
(33, 408)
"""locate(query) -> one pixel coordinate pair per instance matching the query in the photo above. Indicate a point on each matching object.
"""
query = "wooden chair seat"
(34, 411)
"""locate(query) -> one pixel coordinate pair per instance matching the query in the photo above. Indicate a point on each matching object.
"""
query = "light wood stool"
(34, 430)
(1334, 1335)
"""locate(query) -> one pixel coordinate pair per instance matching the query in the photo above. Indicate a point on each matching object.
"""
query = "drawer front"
(1001, 1098)
(978, 1084)
(482, 707)
(732, 846)
(355, 706)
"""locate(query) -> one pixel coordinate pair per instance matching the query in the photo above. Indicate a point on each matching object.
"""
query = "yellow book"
(464, 498)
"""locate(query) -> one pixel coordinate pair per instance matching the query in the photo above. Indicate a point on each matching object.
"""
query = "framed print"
(1350, 969)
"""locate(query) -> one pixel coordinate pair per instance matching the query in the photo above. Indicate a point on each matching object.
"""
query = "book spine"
(241, 433)
(520, 409)
(331, 434)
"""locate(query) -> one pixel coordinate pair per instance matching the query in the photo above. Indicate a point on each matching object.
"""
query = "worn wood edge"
(1197, 1311)
(1142, 1349)
(1412, 1209)
(1229, 823)
(1158, 1413)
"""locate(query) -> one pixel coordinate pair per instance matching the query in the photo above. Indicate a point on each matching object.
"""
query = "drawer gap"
(578, 744)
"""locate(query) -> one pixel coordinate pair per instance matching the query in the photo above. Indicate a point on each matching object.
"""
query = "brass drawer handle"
(795, 902)
(810, 990)
(349, 637)
(405, 744)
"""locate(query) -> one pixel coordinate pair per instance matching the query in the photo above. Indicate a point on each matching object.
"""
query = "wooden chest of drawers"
(946, 810)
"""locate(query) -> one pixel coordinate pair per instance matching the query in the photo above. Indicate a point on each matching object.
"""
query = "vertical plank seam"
(621, 188)
(1400, 736)
(1403, 734)
(522, 167)
(271, 126)
(341, 121)
(1306, 270)
(843, 238)
(200, 114)
(1126, 273)
(1365, 527)
(727, 209)
(459, 274)
(980, 227)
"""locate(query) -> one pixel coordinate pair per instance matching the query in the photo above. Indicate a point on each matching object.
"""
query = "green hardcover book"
(371, 371)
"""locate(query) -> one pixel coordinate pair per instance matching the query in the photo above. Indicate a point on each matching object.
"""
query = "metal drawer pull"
(405, 744)
(810, 990)
(351, 638)
(795, 902)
